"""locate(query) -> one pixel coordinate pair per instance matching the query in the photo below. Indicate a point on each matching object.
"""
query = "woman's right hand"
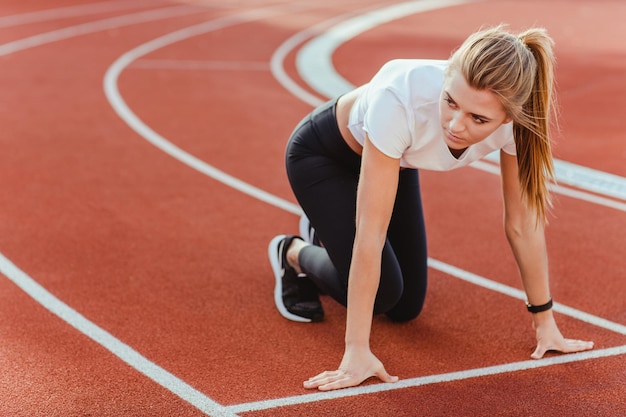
(357, 365)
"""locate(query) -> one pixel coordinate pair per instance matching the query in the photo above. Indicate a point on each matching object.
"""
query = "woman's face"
(468, 115)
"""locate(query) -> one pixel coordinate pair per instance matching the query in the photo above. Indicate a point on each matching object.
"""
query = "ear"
(507, 120)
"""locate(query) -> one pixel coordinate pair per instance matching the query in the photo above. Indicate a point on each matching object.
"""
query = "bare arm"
(526, 236)
(376, 193)
(375, 198)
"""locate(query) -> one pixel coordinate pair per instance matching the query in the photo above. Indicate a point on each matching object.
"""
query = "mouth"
(454, 139)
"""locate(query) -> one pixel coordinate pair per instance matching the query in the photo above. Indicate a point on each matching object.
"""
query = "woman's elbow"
(515, 224)
(512, 230)
(516, 228)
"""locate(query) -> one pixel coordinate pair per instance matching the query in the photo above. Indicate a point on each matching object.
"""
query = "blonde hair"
(519, 69)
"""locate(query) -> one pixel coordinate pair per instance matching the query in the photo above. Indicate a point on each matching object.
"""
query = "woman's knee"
(405, 313)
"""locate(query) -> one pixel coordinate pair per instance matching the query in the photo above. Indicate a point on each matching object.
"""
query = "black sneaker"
(308, 232)
(296, 297)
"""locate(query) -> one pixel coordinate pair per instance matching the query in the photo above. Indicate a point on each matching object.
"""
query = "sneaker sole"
(272, 252)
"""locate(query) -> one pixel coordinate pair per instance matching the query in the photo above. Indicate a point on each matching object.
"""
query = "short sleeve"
(509, 147)
(386, 123)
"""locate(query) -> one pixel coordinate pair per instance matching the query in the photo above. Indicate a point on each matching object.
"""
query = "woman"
(357, 158)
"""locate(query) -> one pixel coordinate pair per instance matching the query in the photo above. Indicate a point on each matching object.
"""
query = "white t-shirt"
(399, 111)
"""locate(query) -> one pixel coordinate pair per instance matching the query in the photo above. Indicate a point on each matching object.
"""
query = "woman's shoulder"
(415, 63)
(410, 68)
(413, 78)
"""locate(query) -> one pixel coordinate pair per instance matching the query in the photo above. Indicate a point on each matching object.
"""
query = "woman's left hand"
(550, 338)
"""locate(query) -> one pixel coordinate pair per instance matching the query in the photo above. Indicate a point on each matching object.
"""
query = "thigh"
(327, 195)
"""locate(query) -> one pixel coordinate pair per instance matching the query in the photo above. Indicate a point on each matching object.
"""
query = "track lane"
(617, 339)
(154, 193)
(226, 89)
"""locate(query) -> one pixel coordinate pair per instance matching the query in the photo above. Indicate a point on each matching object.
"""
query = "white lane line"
(71, 11)
(427, 380)
(105, 339)
(97, 26)
(125, 113)
(520, 295)
(278, 57)
(314, 59)
(315, 66)
(278, 69)
(177, 64)
(570, 192)
(582, 177)
(586, 178)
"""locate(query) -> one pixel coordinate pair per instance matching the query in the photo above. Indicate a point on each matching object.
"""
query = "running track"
(142, 177)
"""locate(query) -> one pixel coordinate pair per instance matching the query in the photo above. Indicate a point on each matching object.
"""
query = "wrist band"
(538, 309)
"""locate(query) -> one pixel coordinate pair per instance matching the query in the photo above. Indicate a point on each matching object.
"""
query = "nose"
(456, 122)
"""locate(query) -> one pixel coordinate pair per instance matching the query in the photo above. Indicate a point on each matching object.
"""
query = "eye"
(450, 102)
(479, 119)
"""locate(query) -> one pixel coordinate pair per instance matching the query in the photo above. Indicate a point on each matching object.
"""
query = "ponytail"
(532, 129)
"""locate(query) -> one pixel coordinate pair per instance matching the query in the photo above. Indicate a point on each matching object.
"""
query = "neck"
(456, 152)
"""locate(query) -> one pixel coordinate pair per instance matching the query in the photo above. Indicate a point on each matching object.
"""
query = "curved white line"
(278, 70)
(521, 295)
(279, 55)
(315, 66)
(584, 178)
(314, 60)
(126, 114)
(97, 26)
(71, 11)
(580, 195)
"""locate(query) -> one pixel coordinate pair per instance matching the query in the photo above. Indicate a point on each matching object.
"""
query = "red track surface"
(173, 263)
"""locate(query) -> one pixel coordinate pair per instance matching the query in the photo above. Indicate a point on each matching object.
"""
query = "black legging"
(324, 172)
